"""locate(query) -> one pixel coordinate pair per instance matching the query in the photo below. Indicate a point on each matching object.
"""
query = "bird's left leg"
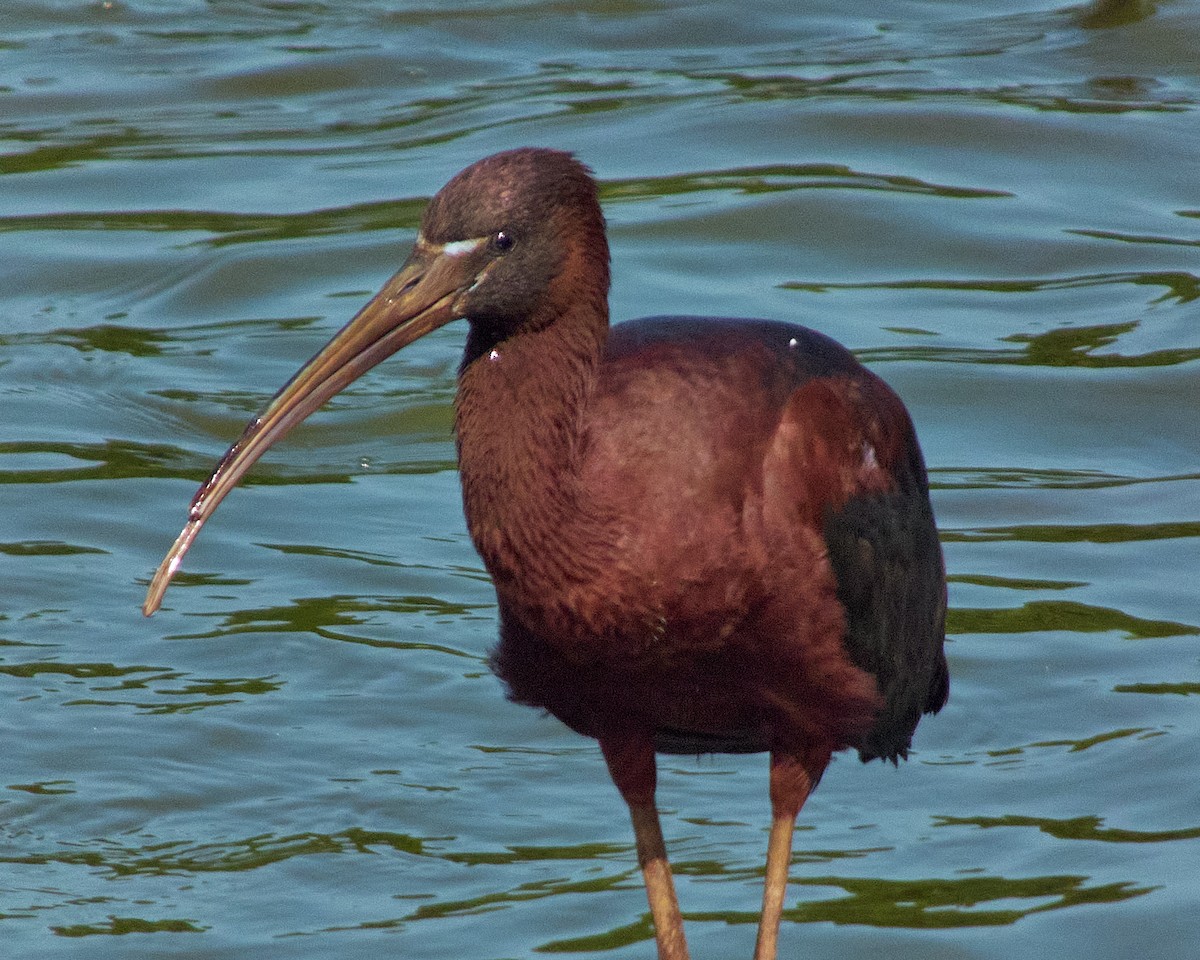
(793, 777)
(631, 763)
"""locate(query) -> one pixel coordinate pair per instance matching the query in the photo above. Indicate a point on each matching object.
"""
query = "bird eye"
(503, 241)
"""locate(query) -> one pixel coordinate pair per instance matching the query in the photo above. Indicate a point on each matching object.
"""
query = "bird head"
(506, 244)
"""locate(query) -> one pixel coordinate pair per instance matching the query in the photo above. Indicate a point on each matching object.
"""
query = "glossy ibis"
(706, 535)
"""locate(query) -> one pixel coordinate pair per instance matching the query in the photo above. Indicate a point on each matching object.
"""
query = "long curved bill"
(420, 298)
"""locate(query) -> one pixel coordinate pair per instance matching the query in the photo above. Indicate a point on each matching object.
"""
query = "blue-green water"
(304, 754)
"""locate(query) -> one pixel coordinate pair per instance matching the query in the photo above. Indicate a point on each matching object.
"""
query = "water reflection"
(1075, 828)
(334, 617)
(1036, 616)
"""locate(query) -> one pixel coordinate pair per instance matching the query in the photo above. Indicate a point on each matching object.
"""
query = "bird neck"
(521, 426)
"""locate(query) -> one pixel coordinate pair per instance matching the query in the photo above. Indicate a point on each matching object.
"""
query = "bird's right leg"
(631, 764)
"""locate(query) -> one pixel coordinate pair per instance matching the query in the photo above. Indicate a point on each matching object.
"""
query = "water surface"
(304, 754)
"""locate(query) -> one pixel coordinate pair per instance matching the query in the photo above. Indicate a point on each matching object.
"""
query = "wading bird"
(705, 535)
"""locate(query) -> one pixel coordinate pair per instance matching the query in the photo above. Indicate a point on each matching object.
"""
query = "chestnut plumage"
(705, 534)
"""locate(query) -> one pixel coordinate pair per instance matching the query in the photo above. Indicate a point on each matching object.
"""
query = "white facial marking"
(494, 356)
(460, 248)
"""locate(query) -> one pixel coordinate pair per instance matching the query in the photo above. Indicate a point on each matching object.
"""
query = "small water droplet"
(494, 355)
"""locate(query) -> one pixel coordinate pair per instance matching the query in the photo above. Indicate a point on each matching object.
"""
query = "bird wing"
(848, 443)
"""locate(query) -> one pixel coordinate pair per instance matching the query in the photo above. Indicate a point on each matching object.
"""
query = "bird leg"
(792, 780)
(632, 766)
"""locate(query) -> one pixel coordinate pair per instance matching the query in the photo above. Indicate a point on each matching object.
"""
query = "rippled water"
(304, 754)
